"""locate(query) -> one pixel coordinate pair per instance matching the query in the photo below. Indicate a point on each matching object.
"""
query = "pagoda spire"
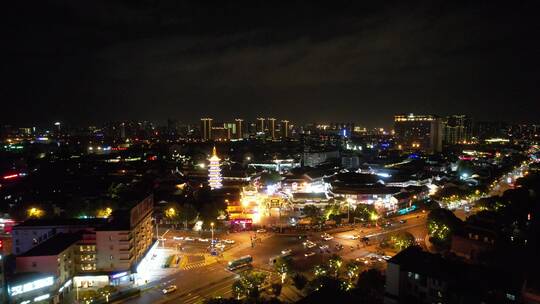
(214, 171)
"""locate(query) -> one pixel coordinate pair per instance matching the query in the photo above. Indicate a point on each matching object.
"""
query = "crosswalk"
(193, 265)
(195, 261)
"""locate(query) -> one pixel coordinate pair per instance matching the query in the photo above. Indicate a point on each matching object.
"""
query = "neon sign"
(37, 284)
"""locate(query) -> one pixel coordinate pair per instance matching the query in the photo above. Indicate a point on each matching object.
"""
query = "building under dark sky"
(94, 61)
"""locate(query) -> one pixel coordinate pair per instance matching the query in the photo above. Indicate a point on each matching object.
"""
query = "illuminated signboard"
(41, 298)
(37, 284)
(119, 275)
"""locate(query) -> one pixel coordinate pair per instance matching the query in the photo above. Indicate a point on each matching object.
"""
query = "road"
(213, 279)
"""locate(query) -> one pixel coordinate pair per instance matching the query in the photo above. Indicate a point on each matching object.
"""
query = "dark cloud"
(344, 62)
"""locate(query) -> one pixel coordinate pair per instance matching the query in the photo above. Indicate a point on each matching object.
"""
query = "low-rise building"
(416, 276)
(54, 258)
(33, 232)
(87, 257)
(383, 198)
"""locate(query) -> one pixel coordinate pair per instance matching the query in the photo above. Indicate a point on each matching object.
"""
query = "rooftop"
(365, 190)
(90, 222)
(53, 246)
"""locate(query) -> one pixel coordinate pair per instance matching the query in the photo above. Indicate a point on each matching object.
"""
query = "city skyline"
(351, 62)
(253, 151)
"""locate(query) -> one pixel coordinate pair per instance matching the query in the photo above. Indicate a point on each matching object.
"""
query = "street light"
(35, 212)
(170, 213)
(212, 228)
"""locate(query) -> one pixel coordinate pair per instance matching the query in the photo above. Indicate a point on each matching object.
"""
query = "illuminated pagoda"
(214, 171)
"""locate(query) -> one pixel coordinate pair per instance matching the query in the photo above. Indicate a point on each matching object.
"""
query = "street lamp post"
(212, 229)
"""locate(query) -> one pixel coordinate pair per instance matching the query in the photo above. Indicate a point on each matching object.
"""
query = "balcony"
(125, 257)
(125, 248)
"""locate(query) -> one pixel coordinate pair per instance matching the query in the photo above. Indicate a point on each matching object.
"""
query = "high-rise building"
(239, 128)
(491, 129)
(206, 128)
(173, 127)
(260, 125)
(272, 127)
(214, 171)
(457, 129)
(285, 128)
(419, 132)
(222, 132)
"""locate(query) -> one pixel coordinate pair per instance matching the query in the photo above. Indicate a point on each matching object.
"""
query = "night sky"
(99, 60)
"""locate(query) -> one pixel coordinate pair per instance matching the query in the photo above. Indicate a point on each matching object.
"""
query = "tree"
(299, 281)
(401, 240)
(188, 214)
(313, 213)
(107, 290)
(335, 263)
(172, 213)
(238, 289)
(332, 211)
(364, 211)
(222, 301)
(442, 223)
(249, 285)
(282, 267)
(352, 269)
(370, 286)
(276, 289)
(270, 178)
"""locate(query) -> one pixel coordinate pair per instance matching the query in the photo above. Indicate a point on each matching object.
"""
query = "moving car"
(261, 230)
(286, 252)
(354, 237)
(187, 238)
(308, 254)
(309, 244)
(327, 237)
(402, 221)
(177, 238)
(229, 241)
(203, 240)
(363, 261)
(169, 289)
(323, 247)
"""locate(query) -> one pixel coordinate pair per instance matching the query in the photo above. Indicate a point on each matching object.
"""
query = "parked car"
(203, 240)
(308, 254)
(177, 238)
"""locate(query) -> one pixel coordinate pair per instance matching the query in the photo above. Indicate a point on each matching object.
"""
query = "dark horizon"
(89, 63)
